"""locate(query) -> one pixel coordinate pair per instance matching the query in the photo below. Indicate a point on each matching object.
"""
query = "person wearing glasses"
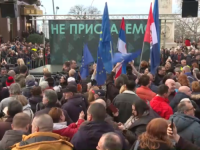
(188, 126)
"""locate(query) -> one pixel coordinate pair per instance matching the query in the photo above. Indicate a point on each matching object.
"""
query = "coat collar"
(129, 92)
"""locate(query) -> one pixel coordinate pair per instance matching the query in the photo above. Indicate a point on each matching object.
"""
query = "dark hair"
(162, 89)
(14, 107)
(23, 69)
(67, 63)
(144, 80)
(47, 74)
(36, 91)
(140, 107)
(121, 80)
(130, 85)
(159, 68)
(167, 76)
(98, 112)
(50, 81)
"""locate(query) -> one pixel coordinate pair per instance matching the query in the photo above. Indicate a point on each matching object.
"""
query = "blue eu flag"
(101, 72)
(86, 60)
(105, 41)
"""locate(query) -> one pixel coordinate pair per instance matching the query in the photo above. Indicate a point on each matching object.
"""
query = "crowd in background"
(137, 110)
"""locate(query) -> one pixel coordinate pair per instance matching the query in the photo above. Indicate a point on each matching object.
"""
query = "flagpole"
(141, 57)
(111, 52)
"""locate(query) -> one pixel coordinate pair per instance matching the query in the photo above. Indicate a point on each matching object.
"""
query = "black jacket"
(74, 106)
(10, 138)
(89, 133)
(124, 103)
(158, 79)
(33, 102)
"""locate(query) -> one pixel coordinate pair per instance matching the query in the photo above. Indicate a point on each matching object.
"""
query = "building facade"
(21, 25)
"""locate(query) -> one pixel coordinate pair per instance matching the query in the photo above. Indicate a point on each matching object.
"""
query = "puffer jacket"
(161, 106)
(43, 140)
(188, 127)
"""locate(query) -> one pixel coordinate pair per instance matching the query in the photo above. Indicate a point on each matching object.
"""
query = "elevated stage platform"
(52, 68)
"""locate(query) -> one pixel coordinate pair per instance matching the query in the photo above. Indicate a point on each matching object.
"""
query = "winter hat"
(9, 81)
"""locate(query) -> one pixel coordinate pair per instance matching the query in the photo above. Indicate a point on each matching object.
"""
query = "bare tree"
(82, 12)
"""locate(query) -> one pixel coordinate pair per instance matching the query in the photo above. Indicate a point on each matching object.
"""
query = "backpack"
(135, 146)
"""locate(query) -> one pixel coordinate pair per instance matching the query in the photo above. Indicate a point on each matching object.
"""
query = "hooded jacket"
(28, 111)
(10, 138)
(43, 140)
(161, 106)
(74, 106)
(67, 131)
(188, 127)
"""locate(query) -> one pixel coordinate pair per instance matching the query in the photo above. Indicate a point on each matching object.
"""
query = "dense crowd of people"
(136, 111)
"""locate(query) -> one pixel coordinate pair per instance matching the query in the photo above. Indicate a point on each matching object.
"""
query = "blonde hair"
(20, 61)
(45, 70)
(72, 72)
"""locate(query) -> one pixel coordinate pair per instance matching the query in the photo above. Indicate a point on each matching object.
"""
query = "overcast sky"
(115, 6)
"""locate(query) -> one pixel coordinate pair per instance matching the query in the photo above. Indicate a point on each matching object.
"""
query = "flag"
(121, 48)
(152, 40)
(126, 58)
(101, 72)
(104, 49)
(157, 21)
(86, 60)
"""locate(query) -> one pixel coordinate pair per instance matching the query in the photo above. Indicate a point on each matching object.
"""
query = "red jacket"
(161, 106)
(145, 93)
(70, 130)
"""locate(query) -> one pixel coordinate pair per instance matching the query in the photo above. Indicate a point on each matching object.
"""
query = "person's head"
(3, 71)
(163, 91)
(169, 75)
(183, 63)
(63, 80)
(50, 81)
(183, 80)
(42, 123)
(100, 101)
(44, 85)
(156, 133)
(121, 80)
(186, 69)
(36, 91)
(192, 52)
(186, 90)
(110, 141)
(30, 80)
(9, 81)
(144, 64)
(73, 64)
(66, 66)
(144, 80)
(57, 115)
(22, 122)
(49, 97)
(186, 107)
(22, 99)
(177, 72)
(91, 94)
(146, 71)
(168, 66)
(150, 76)
(20, 62)
(11, 73)
(69, 91)
(139, 107)
(177, 85)
(45, 70)
(15, 89)
(161, 70)
(72, 73)
(195, 86)
(23, 69)
(96, 112)
(171, 84)
(130, 86)
(14, 107)
(47, 75)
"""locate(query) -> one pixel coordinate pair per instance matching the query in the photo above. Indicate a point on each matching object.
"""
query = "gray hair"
(15, 89)
(186, 69)
(44, 122)
(112, 141)
(11, 73)
(44, 85)
(51, 95)
(182, 107)
(30, 78)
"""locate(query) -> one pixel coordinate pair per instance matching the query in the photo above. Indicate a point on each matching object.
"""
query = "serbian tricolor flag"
(151, 40)
(121, 46)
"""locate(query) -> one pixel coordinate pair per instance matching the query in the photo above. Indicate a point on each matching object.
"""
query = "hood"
(28, 106)
(183, 121)
(59, 126)
(19, 77)
(30, 83)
